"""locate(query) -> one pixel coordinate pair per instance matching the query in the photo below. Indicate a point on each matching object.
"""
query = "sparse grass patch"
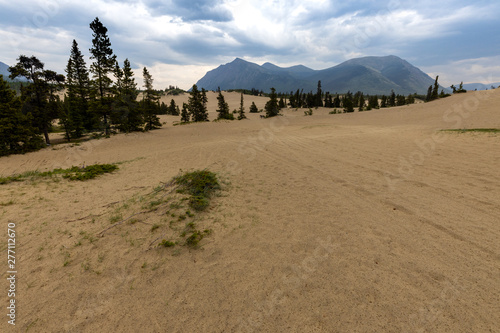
(115, 218)
(474, 130)
(167, 243)
(73, 173)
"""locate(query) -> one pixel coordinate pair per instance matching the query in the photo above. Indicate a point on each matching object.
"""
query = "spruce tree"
(383, 101)
(184, 113)
(173, 108)
(435, 90)
(223, 107)
(392, 99)
(319, 94)
(150, 104)
(126, 114)
(272, 108)
(241, 111)
(197, 105)
(38, 95)
(77, 94)
(361, 102)
(104, 63)
(428, 98)
(17, 135)
(253, 108)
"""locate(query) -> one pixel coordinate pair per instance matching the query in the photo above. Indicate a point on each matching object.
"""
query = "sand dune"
(365, 222)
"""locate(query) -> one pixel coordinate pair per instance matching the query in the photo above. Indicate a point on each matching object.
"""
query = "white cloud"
(163, 35)
(479, 70)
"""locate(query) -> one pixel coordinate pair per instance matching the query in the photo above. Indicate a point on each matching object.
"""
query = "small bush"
(89, 172)
(200, 185)
(166, 243)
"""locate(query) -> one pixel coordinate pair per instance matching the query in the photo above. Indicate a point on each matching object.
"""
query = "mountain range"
(371, 75)
(4, 70)
(479, 86)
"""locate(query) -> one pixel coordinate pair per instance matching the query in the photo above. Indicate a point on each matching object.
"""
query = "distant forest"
(103, 99)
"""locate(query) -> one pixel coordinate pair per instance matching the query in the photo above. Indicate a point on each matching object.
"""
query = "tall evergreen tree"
(39, 94)
(17, 135)
(428, 98)
(241, 111)
(272, 108)
(103, 65)
(126, 113)
(319, 94)
(383, 101)
(223, 107)
(197, 105)
(361, 102)
(184, 113)
(77, 116)
(150, 103)
(173, 109)
(435, 90)
(392, 99)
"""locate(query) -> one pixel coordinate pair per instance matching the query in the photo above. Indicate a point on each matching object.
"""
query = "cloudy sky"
(179, 41)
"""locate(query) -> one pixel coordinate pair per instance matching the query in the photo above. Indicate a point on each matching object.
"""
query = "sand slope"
(364, 222)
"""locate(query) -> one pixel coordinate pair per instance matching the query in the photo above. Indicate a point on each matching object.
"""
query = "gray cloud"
(316, 33)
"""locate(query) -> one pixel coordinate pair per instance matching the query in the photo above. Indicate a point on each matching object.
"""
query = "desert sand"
(373, 221)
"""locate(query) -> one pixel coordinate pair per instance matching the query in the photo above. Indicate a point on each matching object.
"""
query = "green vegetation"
(272, 107)
(73, 173)
(196, 106)
(174, 91)
(474, 130)
(223, 108)
(200, 185)
(253, 108)
(241, 111)
(167, 243)
(460, 88)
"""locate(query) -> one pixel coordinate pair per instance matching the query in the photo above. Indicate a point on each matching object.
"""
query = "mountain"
(371, 75)
(478, 86)
(4, 70)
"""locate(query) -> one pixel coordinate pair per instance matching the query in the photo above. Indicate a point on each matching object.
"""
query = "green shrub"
(200, 185)
(166, 243)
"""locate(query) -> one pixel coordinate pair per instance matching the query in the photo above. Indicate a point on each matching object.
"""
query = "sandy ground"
(363, 222)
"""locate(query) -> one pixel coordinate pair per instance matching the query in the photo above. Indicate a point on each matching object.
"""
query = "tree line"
(101, 98)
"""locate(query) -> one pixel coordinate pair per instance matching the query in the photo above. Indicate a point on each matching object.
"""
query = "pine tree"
(223, 107)
(77, 117)
(184, 113)
(383, 101)
(197, 105)
(39, 94)
(272, 108)
(150, 104)
(435, 90)
(348, 103)
(126, 113)
(392, 99)
(104, 63)
(173, 108)
(361, 102)
(253, 108)
(241, 111)
(319, 93)
(428, 98)
(17, 135)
